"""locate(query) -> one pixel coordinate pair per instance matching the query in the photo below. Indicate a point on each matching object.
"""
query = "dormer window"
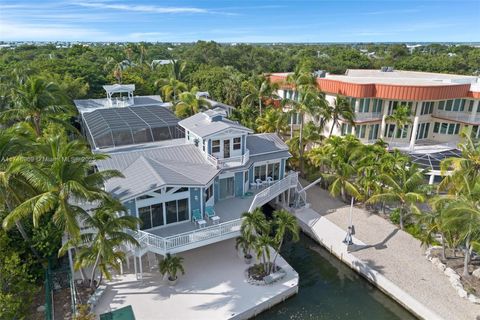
(215, 146)
(237, 143)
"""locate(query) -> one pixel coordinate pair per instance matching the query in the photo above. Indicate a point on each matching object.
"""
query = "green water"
(330, 290)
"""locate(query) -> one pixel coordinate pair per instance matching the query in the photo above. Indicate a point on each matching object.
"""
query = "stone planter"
(247, 258)
(172, 282)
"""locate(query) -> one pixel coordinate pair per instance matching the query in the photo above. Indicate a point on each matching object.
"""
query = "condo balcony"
(465, 117)
(367, 116)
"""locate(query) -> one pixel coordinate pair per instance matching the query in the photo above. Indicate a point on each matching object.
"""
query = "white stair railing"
(290, 181)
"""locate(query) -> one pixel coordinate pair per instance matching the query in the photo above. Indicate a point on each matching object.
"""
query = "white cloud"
(40, 32)
(138, 8)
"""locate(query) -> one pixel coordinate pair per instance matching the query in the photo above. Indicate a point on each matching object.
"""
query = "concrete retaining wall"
(330, 236)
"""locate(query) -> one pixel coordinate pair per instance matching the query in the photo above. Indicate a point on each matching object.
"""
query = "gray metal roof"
(265, 143)
(144, 170)
(210, 122)
(122, 126)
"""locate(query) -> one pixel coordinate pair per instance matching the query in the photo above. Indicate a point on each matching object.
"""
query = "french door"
(227, 188)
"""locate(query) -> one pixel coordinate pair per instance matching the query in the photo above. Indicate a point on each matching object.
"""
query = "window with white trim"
(427, 107)
(237, 143)
(373, 132)
(446, 128)
(360, 131)
(423, 129)
(215, 146)
(389, 130)
(402, 132)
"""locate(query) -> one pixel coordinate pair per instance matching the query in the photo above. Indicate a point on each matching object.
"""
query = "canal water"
(330, 290)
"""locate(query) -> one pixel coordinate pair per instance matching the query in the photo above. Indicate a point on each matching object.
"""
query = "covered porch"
(227, 210)
(185, 236)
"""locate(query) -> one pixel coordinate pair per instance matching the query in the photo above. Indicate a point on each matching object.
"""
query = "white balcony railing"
(229, 162)
(458, 116)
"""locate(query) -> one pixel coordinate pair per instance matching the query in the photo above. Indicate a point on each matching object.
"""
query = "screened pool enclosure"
(113, 127)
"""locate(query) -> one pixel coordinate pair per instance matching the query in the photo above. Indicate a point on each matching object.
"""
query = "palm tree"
(462, 171)
(177, 69)
(463, 215)
(262, 246)
(285, 224)
(369, 156)
(116, 67)
(309, 102)
(67, 178)
(401, 117)
(433, 222)
(301, 80)
(404, 187)
(103, 249)
(189, 104)
(254, 223)
(311, 135)
(273, 120)
(171, 265)
(341, 110)
(13, 187)
(340, 158)
(171, 89)
(245, 243)
(260, 89)
(36, 101)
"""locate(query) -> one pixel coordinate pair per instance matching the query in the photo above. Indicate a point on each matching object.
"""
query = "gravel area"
(397, 255)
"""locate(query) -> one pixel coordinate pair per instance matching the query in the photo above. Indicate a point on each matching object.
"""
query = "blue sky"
(241, 21)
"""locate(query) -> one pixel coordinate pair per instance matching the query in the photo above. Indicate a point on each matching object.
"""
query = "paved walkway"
(397, 256)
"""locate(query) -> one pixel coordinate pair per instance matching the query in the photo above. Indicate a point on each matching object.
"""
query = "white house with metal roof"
(192, 192)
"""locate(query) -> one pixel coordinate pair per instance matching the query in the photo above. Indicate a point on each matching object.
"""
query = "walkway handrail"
(166, 244)
(290, 181)
(214, 231)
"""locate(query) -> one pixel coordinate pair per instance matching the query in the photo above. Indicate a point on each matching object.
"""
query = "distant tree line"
(217, 68)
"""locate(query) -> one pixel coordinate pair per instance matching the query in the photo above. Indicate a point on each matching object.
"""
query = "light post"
(350, 229)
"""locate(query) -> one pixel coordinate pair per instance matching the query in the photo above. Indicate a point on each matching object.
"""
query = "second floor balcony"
(367, 116)
(231, 162)
(466, 117)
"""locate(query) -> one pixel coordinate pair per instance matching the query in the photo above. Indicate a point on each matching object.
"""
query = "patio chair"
(210, 213)
(197, 218)
(259, 183)
(269, 181)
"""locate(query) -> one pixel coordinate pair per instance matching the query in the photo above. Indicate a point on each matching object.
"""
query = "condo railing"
(458, 115)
